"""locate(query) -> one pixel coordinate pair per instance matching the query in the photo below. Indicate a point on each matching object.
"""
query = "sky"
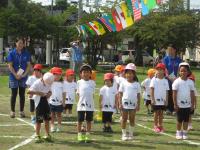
(195, 4)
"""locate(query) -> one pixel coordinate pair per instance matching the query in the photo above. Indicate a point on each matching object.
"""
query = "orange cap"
(69, 72)
(56, 70)
(108, 76)
(37, 67)
(118, 68)
(151, 72)
(93, 75)
(161, 66)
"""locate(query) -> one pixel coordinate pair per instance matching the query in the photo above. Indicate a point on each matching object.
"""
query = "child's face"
(160, 73)
(108, 83)
(129, 75)
(183, 72)
(85, 74)
(37, 73)
(70, 78)
(57, 77)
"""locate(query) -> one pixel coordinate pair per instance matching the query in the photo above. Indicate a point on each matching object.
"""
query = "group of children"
(52, 93)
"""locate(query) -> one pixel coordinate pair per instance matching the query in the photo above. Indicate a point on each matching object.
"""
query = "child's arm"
(48, 94)
(152, 96)
(175, 99)
(64, 97)
(120, 100)
(36, 93)
(116, 101)
(166, 101)
(138, 101)
(192, 99)
(100, 102)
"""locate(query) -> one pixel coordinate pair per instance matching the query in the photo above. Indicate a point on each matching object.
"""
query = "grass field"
(18, 133)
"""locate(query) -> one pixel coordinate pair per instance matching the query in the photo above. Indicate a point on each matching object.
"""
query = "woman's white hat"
(48, 78)
(130, 66)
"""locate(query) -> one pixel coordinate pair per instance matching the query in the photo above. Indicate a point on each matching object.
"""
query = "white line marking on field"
(11, 125)
(23, 143)
(4, 115)
(166, 134)
(7, 136)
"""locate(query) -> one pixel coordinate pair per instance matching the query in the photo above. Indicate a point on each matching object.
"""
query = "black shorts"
(43, 110)
(68, 106)
(32, 105)
(159, 107)
(147, 102)
(183, 115)
(57, 109)
(85, 115)
(107, 116)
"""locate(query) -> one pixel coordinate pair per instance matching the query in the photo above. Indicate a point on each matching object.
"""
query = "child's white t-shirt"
(147, 90)
(57, 90)
(108, 98)
(39, 86)
(130, 92)
(161, 86)
(70, 89)
(121, 80)
(115, 81)
(183, 88)
(86, 90)
(31, 80)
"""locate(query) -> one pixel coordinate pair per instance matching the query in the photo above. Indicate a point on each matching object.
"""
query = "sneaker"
(130, 136)
(179, 135)
(185, 137)
(22, 114)
(87, 138)
(156, 129)
(38, 139)
(48, 138)
(53, 129)
(33, 120)
(124, 137)
(58, 130)
(81, 137)
(12, 114)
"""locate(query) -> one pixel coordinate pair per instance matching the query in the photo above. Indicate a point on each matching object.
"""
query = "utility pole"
(188, 4)
(80, 9)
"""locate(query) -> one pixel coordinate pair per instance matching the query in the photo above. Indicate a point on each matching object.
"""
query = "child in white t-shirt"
(85, 106)
(183, 96)
(70, 89)
(57, 99)
(37, 73)
(146, 85)
(41, 91)
(108, 101)
(129, 100)
(159, 96)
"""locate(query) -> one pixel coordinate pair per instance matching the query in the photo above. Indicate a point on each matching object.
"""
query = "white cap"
(184, 64)
(130, 66)
(48, 78)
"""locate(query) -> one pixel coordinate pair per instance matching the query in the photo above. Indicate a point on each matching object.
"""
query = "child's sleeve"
(152, 83)
(175, 85)
(192, 88)
(143, 84)
(139, 88)
(167, 85)
(28, 82)
(121, 87)
(101, 91)
(77, 87)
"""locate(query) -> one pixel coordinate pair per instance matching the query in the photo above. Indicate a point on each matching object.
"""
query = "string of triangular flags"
(122, 16)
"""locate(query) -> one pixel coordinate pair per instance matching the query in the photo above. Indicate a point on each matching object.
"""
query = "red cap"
(192, 77)
(161, 66)
(69, 72)
(56, 70)
(108, 76)
(37, 67)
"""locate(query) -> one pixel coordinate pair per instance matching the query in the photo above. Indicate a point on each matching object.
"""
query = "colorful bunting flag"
(107, 20)
(145, 9)
(83, 31)
(129, 5)
(116, 20)
(121, 16)
(127, 14)
(136, 10)
(151, 4)
(97, 27)
(89, 29)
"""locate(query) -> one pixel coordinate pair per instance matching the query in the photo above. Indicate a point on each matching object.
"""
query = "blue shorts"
(17, 83)
(58, 108)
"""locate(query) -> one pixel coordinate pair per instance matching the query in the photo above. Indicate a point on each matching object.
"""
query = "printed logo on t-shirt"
(84, 105)
(128, 103)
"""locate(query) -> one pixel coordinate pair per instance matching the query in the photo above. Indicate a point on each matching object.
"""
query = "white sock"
(131, 128)
(124, 131)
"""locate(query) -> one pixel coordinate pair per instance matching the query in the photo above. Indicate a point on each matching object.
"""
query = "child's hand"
(153, 102)
(176, 107)
(48, 94)
(120, 106)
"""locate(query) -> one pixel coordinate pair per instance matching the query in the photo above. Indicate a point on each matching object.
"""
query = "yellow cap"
(151, 72)
(93, 75)
(118, 68)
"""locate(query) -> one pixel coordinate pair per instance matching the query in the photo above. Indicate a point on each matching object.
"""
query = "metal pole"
(188, 4)
(80, 9)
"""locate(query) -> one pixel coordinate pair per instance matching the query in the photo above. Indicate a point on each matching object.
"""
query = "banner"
(127, 14)
(107, 20)
(116, 20)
